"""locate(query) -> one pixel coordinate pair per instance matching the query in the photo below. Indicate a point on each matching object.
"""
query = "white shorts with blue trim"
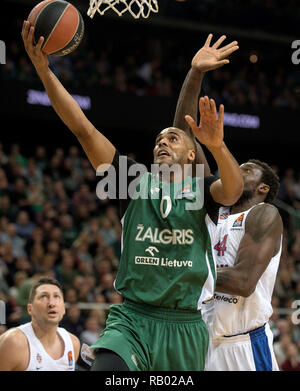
(244, 352)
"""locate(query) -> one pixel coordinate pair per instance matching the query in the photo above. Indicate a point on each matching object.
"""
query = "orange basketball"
(60, 23)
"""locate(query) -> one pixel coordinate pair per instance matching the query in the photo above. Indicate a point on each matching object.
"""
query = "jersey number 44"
(220, 247)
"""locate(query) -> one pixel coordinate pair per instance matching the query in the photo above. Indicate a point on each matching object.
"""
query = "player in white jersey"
(247, 247)
(246, 241)
(40, 345)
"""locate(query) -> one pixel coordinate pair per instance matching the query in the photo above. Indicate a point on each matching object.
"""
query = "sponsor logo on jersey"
(39, 362)
(239, 221)
(165, 236)
(156, 261)
(39, 358)
(70, 358)
(141, 260)
(227, 299)
(151, 250)
(186, 191)
(224, 216)
(166, 262)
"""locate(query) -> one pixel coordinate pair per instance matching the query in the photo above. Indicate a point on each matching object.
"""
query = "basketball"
(61, 25)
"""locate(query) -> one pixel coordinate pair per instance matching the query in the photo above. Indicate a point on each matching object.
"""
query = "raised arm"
(263, 229)
(98, 148)
(206, 59)
(228, 189)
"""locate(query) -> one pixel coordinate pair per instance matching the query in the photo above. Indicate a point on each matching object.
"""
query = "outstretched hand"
(38, 58)
(210, 131)
(209, 58)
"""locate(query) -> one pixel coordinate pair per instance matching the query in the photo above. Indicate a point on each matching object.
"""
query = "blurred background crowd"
(51, 220)
(148, 60)
(159, 71)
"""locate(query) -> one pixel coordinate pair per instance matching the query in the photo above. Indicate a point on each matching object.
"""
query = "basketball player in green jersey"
(166, 267)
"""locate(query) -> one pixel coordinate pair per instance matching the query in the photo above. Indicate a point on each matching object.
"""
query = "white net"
(137, 8)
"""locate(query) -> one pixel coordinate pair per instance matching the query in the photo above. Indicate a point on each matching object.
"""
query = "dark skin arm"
(263, 229)
(206, 59)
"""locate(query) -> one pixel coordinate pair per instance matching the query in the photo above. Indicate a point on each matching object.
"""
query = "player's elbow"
(231, 199)
(247, 292)
(246, 288)
(233, 194)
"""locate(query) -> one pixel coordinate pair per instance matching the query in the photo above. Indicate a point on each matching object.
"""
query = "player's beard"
(245, 197)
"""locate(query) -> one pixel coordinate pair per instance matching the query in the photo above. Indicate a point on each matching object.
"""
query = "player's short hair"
(270, 178)
(191, 137)
(43, 281)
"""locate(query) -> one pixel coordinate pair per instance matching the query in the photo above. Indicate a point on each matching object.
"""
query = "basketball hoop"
(137, 8)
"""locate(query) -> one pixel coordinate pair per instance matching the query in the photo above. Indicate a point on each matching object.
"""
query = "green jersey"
(166, 257)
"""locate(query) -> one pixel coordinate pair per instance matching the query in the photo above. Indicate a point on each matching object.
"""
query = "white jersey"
(40, 360)
(229, 315)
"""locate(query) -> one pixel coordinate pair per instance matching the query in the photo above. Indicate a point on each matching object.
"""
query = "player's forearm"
(187, 104)
(230, 175)
(64, 104)
(233, 282)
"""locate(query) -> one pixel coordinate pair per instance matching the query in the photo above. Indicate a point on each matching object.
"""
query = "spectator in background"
(24, 226)
(47, 264)
(71, 296)
(40, 158)
(18, 194)
(292, 362)
(107, 230)
(19, 278)
(35, 197)
(85, 293)
(82, 196)
(107, 285)
(8, 262)
(16, 241)
(66, 271)
(69, 231)
(73, 320)
(6, 208)
(33, 172)
(282, 340)
(53, 248)
(91, 331)
(5, 188)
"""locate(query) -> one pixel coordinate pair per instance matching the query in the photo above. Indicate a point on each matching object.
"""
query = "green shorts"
(148, 338)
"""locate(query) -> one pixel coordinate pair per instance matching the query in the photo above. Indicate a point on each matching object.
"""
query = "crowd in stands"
(276, 16)
(160, 71)
(53, 223)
